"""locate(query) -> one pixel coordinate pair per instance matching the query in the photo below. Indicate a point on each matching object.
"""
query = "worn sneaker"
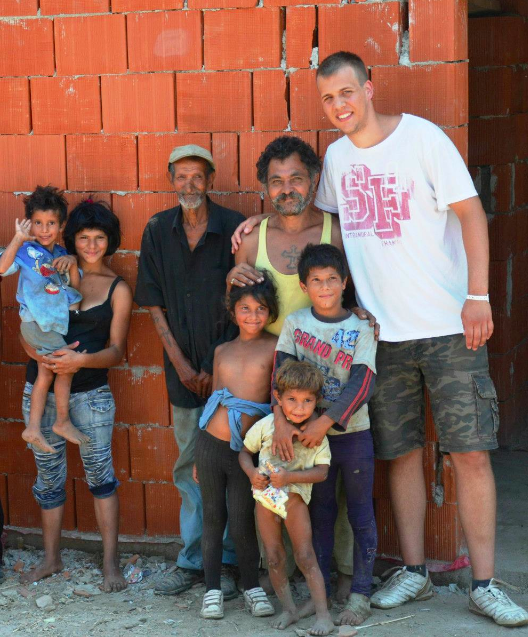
(228, 583)
(494, 603)
(257, 602)
(182, 579)
(213, 605)
(402, 586)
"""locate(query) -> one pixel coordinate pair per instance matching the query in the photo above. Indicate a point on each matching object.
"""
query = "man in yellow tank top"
(289, 170)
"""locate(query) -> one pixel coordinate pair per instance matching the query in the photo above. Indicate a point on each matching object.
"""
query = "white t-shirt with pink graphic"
(403, 242)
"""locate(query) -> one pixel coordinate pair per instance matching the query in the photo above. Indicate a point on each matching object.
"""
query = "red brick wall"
(498, 155)
(93, 100)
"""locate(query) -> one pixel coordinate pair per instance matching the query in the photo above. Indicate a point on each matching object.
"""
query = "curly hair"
(264, 293)
(300, 375)
(92, 215)
(283, 147)
(47, 198)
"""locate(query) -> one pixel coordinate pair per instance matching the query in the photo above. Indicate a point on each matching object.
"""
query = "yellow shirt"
(291, 297)
(258, 440)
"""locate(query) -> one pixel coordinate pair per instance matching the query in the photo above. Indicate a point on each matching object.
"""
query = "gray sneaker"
(181, 580)
(228, 584)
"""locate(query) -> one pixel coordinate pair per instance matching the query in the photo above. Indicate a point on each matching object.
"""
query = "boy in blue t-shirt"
(47, 290)
(344, 349)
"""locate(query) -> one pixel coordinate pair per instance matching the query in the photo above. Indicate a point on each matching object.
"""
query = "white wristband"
(473, 297)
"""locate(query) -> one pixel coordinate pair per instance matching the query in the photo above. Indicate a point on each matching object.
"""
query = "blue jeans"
(92, 412)
(191, 512)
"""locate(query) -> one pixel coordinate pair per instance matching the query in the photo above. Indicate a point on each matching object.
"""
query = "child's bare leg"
(39, 395)
(270, 527)
(300, 532)
(63, 426)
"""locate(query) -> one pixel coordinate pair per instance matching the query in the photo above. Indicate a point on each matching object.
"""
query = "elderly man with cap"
(185, 257)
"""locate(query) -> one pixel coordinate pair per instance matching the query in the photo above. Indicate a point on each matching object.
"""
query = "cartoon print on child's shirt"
(331, 388)
(46, 269)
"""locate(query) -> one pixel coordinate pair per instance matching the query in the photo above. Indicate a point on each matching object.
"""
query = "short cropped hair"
(322, 255)
(208, 168)
(300, 375)
(264, 293)
(283, 147)
(92, 215)
(335, 62)
(47, 198)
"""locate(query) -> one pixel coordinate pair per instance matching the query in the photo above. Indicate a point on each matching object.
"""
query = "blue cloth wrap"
(235, 408)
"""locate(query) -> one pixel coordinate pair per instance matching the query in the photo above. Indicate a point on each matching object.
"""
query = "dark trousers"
(226, 493)
(353, 456)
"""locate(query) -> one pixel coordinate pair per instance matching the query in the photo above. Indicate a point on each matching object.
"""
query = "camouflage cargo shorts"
(463, 397)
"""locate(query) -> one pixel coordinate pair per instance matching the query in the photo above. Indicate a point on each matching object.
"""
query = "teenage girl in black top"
(97, 334)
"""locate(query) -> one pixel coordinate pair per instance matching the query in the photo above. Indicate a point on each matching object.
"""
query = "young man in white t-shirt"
(416, 239)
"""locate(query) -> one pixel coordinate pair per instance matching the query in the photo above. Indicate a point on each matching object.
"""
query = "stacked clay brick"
(95, 94)
(498, 155)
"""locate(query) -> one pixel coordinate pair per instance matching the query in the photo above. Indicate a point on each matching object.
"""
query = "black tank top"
(92, 329)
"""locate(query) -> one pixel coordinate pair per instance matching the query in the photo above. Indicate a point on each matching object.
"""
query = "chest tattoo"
(293, 255)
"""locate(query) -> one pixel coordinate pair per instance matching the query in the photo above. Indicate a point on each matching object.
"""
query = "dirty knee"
(305, 558)
(276, 558)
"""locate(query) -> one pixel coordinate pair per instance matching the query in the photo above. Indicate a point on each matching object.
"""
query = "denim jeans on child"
(92, 412)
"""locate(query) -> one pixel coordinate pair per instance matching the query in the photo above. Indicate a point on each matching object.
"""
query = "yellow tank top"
(291, 297)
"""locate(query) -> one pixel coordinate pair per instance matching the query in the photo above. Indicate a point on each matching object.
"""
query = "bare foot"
(308, 608)
(322, 626)
(46, 569)
(356, 611)
(344, 582)
(113, 580)
(285, 619)
(34, 436)
(67, 430)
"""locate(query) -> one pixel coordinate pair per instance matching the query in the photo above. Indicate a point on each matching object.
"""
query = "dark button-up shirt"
(190, 286)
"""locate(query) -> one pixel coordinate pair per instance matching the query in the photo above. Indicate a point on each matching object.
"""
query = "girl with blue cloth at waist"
(241, 382)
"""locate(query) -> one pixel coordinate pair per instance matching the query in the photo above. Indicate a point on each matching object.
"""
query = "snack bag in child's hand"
(272, 498)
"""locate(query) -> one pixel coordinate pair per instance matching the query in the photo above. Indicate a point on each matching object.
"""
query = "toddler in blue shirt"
(47, 290)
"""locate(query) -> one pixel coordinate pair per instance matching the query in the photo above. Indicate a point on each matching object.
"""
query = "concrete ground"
(511, 474)
(73, 606)
(137, 611)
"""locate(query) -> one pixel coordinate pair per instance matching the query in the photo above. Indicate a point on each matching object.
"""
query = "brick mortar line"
(40, 16)
(502, 116)
(290, 70)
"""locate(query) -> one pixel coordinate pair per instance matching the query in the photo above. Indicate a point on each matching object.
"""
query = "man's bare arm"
(245, 228)
(186, 372)
(476, 315)
(244, 274)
